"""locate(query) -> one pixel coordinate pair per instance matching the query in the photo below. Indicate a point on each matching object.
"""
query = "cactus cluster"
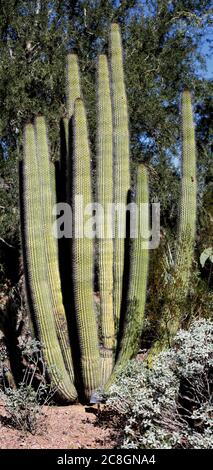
(103, 344)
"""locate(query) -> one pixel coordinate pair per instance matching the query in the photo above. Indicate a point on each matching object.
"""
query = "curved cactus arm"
(178, 289)
(36, 269)
(121, 156)
(139, 261)
(82, 256)
(104, 185)
(50, 242)
(73, 82)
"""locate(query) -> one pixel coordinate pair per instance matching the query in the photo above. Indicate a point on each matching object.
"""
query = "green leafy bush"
(169, 406)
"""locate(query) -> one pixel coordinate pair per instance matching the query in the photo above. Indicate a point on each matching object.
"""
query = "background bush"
(169, 406)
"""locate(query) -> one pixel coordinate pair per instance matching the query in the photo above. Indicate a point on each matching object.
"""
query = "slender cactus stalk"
(73, 91)
(50, 243)
(187, 218)
(41, 277)
(139, 260)
(104, 178)
(73, 82)
(121, 156)
(82, 257)
(178, 289)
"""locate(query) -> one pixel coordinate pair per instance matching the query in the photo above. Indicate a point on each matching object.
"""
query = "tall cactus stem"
(121, 157)
(139, 260)
(73, 82)
(178, 289)
(82, 257)
(35, 257)
(50, 242)
(104, 185)
(187, 217)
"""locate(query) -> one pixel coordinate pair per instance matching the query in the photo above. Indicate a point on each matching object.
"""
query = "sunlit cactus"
(73, 82)
(105, 340)
(40, 258)
(138, 275)
(121, 157)
(187, 217)
(82, 256)
(104, 185)
(178, 288)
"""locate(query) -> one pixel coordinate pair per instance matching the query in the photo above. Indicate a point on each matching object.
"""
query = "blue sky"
(205, 49)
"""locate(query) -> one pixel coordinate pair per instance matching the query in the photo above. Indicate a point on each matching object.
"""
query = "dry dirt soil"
(70, 427)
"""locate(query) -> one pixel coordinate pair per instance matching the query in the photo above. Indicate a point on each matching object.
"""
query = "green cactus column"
(178, 288)
(36, 238)
(73, 91)
(139, 260)
(73, 82)
(187, 218)
(121, 156)
(50, 242)
(82, 256)
(104, 184)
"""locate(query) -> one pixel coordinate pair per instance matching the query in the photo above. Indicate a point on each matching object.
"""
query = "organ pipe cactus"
(40, 262)
(139, 259)
(104, 184)
(50, 243)
(82, 257)
(187, 222)
(121, 158)
(73, 82)
(103, 348)
(178, 289)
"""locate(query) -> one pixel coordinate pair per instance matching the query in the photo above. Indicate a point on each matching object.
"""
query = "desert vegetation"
(107, 108)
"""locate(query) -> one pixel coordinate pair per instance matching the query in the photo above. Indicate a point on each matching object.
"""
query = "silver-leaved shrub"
(169, 406)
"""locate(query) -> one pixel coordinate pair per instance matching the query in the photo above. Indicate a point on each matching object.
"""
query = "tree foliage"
(162, 55)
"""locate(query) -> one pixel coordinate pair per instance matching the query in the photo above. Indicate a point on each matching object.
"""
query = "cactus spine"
(37, 236)
(121, 157)
(82, 256)
(104, 172)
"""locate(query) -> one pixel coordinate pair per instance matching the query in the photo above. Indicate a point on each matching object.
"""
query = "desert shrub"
(169, 406)
(24, 404)
(22, 407)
